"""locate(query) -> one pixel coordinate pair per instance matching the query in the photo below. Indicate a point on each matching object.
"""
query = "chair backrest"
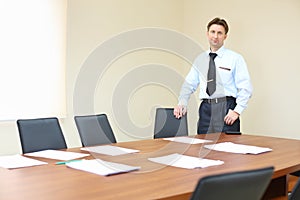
(295, 194)
(166, 125)
(94, 130)
(40, 134)
(246, 185)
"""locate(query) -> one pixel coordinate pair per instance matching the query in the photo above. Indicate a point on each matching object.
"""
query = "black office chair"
(166, 125)
(40, 134)
(245, 185)
(94, 130)
(295, 194)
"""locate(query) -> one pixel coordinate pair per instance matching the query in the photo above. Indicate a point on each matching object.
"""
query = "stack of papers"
(101, 167)
(188, 140)
(109, 150)
(187, 162)
(57, 155)
(18, 161)
(237, 148)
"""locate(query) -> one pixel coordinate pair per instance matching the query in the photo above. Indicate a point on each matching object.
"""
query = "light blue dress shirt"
(232, 78)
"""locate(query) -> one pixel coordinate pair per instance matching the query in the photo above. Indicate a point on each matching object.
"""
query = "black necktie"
(211, 75)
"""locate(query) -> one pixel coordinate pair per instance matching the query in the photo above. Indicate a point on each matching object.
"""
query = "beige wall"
(264, 32)
(91, 23)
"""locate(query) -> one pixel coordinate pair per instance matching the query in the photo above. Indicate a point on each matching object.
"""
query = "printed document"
(101, 167)
(57, 154)
(188, 140)
(237, 148)
(109, 150)
(18, 161)
(187, 162)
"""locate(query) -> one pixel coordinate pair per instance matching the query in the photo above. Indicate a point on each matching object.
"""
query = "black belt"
(218, 100)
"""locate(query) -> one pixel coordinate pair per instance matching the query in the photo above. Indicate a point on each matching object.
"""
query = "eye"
(220, 33)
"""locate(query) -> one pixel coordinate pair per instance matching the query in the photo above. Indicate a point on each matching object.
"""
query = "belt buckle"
(213, 101)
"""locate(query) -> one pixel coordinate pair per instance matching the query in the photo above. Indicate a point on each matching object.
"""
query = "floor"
(292, 181)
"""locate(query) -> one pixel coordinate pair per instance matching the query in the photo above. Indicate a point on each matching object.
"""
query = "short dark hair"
(219, 21)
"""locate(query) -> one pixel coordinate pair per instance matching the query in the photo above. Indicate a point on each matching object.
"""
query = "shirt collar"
(220, 51)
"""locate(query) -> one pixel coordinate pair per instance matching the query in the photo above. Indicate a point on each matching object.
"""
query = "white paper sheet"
(237, 148)
(188, 140)
(101, 167)
(187, 162)
(18, 161)
(57, 154)
(109, 150)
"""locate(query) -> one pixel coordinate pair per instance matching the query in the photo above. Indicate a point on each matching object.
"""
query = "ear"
(225, 36)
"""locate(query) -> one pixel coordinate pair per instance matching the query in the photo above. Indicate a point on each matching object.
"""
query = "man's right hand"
(179, 111)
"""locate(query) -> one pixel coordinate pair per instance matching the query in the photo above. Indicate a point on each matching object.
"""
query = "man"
(225, 85)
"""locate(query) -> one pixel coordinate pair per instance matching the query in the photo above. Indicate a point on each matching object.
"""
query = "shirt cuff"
(182, 102)
(239, 109)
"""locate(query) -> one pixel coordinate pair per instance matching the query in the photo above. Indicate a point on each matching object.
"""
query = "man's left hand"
(231, 116)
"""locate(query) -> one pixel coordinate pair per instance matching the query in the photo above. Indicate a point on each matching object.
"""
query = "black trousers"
(211, 117)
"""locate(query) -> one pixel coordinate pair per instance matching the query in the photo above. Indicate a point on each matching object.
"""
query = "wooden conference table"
(153, 181)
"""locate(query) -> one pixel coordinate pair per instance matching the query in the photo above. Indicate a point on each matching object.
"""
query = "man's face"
(216, 36)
